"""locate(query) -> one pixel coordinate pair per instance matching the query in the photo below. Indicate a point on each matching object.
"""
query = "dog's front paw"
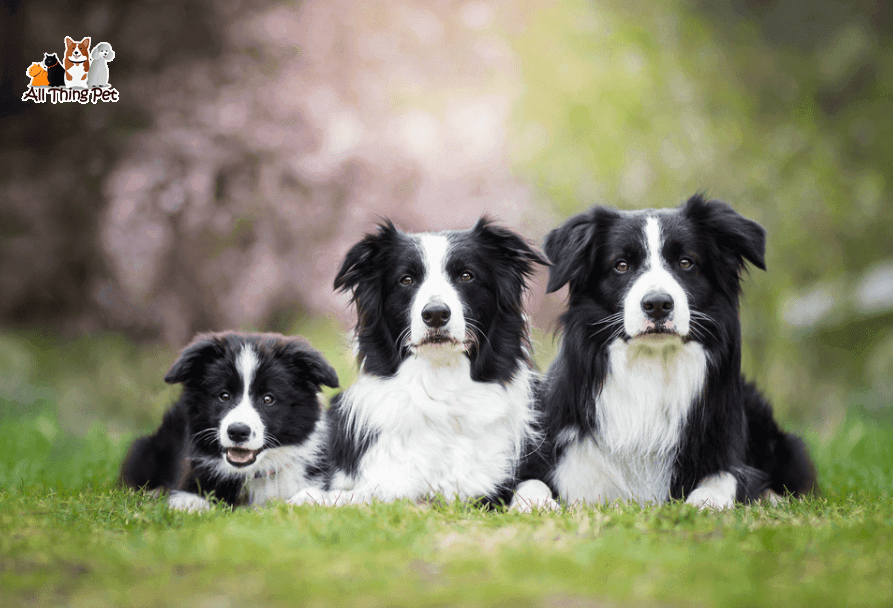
(714, 492)
(307, 496)
(186, 501)
(533, 495)
(332, 498)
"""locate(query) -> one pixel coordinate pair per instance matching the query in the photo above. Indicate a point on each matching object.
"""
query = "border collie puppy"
(444, 402)
(645, 400)
(245, 429)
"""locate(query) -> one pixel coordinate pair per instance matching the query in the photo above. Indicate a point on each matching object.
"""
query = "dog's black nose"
(657, 305)
(238, 432)
(436, 314)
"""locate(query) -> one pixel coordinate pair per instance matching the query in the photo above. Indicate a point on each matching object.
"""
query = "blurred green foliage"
(635, 104)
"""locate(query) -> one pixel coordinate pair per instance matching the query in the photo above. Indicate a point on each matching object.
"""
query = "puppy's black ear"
(520, 254)
(572, 248)
(312, 364)
(362, 258)
(203, 349)
(732, 233)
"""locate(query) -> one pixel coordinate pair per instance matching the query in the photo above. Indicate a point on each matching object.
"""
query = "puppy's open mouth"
(241, 457)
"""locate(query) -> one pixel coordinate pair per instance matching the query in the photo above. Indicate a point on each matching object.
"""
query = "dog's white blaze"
(436, 287)
(244, 412)
(714, 492)
(437, 432)
(656, 277)
(642, 409)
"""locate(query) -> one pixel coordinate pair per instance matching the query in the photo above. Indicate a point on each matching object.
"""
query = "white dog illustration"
(99, 70)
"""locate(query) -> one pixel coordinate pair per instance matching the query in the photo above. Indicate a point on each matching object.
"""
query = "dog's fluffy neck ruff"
(278, 473)
(641, 410)
(437, 430)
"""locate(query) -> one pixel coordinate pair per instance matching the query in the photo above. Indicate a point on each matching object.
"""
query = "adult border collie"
(645, 400)
(245, 427)
(444, 404)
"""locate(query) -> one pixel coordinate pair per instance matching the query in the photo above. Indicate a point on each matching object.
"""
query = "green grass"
(70, 536)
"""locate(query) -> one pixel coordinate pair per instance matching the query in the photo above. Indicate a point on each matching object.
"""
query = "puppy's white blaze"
(642, 409)
(246, 363)
(437, 431)
(714, 492)
(656, 277)
(436, 287)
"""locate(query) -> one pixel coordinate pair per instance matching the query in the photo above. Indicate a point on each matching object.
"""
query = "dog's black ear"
(732, 233)
(203, 349)
(312, 364)
(363, 258)
(572, 248)
(520, 254)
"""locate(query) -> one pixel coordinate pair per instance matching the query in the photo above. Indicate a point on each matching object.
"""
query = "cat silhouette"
(55, 71)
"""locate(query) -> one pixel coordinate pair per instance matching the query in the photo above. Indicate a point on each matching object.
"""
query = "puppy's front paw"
(186, 501)
(533, 494)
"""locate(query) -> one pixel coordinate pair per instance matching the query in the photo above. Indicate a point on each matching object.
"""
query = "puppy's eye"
(224, 396)
(268, 399)
(406, 280)
(686, 263)
(466, 276)
(621, 266)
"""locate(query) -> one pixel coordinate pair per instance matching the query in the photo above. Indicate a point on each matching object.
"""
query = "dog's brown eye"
(466, 276)
(406, 280)
(268, 399)
(224, 396)
(621, 266)
(686, 263)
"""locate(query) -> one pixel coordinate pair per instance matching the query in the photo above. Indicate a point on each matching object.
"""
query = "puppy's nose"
(436, 314)
(657, 305)
(238, 432)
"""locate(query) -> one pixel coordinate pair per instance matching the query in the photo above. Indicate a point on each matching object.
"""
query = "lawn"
(70, 536)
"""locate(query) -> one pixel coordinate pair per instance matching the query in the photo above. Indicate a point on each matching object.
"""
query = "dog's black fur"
(729, 426)
(186, 453)
(55, 70)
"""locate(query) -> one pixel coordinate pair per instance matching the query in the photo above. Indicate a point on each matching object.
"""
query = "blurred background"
(256, 140)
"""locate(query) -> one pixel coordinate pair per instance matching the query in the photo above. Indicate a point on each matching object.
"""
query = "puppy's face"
(249, 395)
(654, 274)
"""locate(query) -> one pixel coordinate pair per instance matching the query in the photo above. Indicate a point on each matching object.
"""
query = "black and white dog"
(445, 399)
(645, 400)
(245, 428)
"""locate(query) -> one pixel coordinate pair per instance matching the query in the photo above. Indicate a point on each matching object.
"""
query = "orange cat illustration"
(38, 75)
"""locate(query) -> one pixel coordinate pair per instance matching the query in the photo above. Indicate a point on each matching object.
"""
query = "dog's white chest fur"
(284, 469)
(641, 412)
(77, 73)
(437, 430)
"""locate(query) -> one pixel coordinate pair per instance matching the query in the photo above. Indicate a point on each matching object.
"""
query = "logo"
(82, 75)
